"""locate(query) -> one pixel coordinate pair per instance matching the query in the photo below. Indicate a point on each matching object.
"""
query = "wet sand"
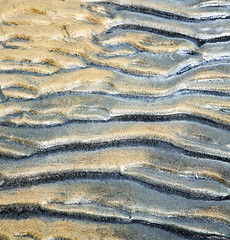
(114, 119)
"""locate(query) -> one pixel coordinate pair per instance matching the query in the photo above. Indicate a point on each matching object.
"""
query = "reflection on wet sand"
(114, 119)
